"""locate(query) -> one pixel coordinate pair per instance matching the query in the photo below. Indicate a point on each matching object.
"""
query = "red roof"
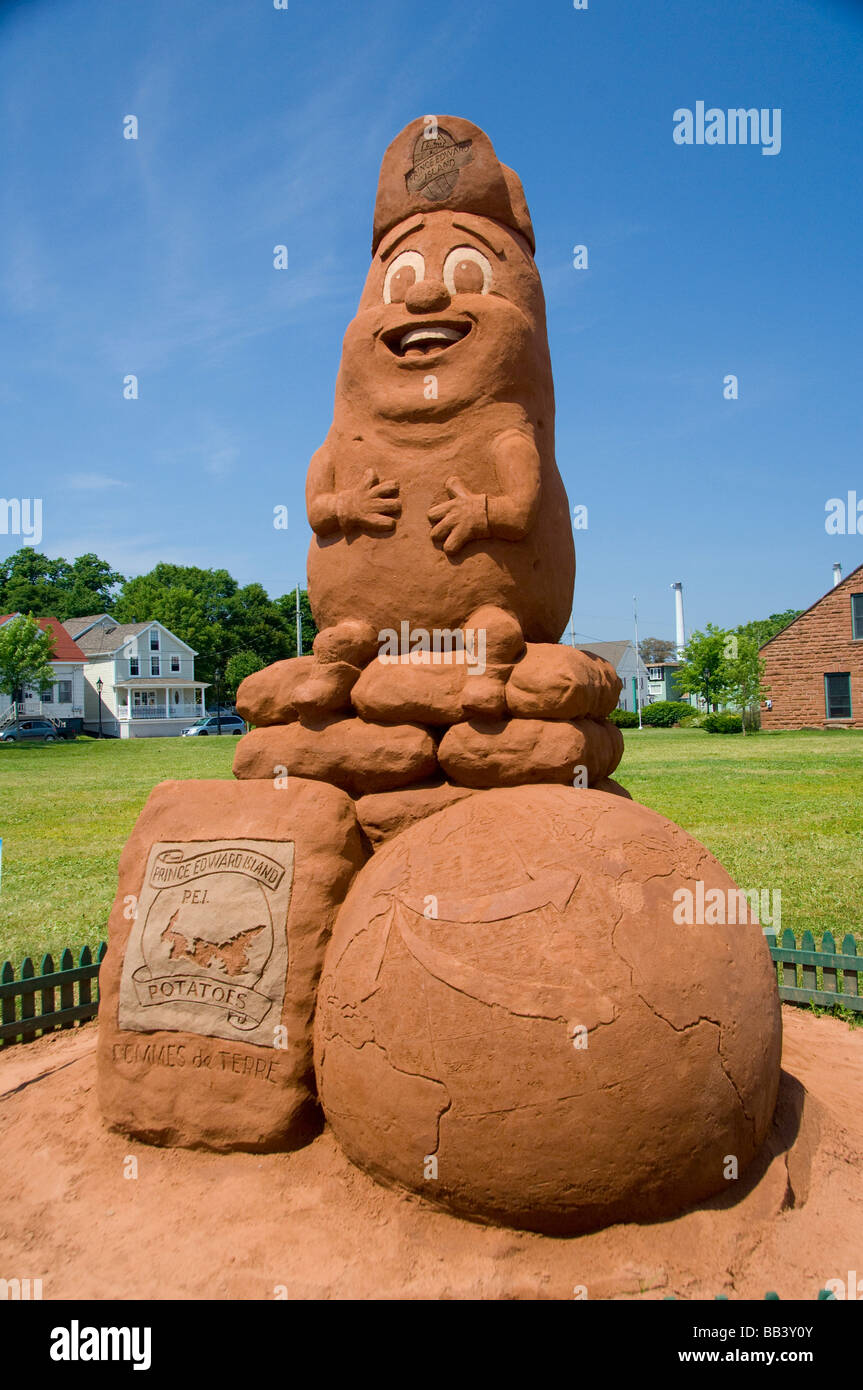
(64, 648)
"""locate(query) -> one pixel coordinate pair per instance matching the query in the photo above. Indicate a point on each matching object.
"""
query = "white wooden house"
(148, 680)
(61, 698)
(629, 666)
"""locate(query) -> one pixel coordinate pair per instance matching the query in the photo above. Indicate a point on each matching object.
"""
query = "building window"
(837, 695)
(64, 692)
(134, 666)
(175, 663)
(154, 666)
(154, 639)
(857, 615)
(47, 695)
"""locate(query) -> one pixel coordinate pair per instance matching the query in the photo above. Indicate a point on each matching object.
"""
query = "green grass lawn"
(779, 810)
(66, 810)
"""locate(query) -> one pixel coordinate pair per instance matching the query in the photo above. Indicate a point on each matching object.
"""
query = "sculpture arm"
(508, 515)
(372, 506)
(321, 498)
(512, 514)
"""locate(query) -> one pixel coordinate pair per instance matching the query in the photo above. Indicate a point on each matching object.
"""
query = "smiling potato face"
(452, 296)
(436, 491)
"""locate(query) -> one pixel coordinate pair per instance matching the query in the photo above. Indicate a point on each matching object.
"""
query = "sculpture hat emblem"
(437, 161)
(442, 163)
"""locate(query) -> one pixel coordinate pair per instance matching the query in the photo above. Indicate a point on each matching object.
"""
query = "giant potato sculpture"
(438, 474)
(506, 1017)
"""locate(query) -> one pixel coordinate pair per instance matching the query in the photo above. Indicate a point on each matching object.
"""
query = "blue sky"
(260, 127)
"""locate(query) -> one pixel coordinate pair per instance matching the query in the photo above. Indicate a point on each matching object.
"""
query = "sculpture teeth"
(436, 334)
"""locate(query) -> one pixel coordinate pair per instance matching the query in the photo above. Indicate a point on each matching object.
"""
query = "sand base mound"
(241, 1226)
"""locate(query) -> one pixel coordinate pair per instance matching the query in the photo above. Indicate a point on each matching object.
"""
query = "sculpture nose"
(426, 295)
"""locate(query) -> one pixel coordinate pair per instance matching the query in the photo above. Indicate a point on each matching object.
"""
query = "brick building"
(814, 668)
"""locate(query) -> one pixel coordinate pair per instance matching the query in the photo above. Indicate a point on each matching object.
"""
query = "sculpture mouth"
(420, 340)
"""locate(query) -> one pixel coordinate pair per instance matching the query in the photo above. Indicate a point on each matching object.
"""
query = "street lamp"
(636, 679)
(217, 677)
(99, 685)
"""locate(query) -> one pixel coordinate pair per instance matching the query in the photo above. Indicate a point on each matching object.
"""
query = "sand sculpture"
(226, 898)
(510, 1025)
(424, 861)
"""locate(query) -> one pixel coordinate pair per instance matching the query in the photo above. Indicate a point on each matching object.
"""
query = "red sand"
(199, 1225)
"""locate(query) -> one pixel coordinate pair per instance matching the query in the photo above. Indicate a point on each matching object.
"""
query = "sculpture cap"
(446, 162)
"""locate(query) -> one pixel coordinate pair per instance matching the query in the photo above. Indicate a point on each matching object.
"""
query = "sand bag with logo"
(226, 897)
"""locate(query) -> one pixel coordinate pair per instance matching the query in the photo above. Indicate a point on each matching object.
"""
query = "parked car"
(21, 729)
(209, 724)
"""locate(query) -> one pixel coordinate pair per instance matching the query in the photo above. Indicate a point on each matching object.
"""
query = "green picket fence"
(823, 1296)
(799, 967)
(67, 996)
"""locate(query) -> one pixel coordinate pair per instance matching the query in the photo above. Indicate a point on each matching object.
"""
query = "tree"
(257, 624)
(205, 607)
(32, 582)
(194, 603)
(762, 629)
(25, 656)
(29, 582)
(287, 604)
(219, 620)
(92, 588)
(237, 667)
(745, 682)
(654, 650)
(704, 669)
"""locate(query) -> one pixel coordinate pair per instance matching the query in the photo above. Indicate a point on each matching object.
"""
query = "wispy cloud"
(93, 482)
(281, 192)
(130, 554)
(216, 451)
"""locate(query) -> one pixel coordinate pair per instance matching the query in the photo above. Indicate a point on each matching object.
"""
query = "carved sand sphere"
(510, 1021)
(511, 1024)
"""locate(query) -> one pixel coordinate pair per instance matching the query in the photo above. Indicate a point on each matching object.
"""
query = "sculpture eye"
(466, 271)
(405, 270)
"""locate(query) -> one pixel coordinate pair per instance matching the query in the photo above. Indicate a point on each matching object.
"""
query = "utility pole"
(299, 625)
(637, 691)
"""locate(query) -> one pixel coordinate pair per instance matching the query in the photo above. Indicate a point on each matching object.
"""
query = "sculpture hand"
(464, 518)
(372, 507)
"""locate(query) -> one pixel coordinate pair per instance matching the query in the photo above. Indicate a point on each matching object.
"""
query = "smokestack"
(680, 631)
(837, 575)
